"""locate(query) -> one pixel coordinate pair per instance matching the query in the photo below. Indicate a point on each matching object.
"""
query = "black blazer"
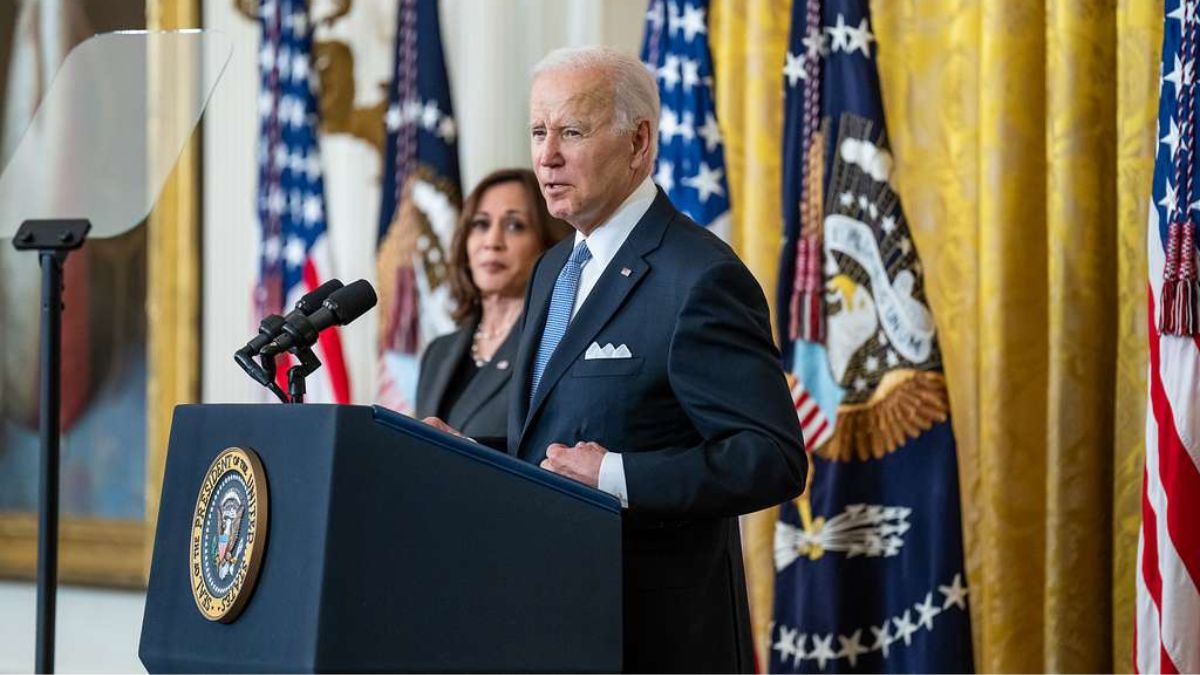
(701, 413)
(482, 409)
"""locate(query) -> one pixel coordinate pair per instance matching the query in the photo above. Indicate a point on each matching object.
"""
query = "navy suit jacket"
(701, 414)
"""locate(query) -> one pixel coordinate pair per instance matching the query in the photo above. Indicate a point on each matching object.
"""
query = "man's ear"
(641, 145)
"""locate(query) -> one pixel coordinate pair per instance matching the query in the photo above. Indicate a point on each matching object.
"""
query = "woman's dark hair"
(549, 229)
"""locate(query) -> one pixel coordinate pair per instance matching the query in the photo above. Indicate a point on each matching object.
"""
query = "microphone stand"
(296, 374)
(53, 240)
(268, 366)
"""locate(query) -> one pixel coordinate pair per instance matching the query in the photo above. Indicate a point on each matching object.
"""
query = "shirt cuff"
(612, 477)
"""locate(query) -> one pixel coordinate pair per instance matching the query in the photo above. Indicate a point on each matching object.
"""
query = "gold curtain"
(1024, 141)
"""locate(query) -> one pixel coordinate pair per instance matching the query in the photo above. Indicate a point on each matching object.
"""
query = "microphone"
(270, 326)
(340, 308)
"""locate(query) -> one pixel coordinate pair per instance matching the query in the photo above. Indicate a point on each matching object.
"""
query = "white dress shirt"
(604, 242)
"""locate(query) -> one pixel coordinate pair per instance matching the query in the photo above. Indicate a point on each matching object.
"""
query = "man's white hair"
(635, 93)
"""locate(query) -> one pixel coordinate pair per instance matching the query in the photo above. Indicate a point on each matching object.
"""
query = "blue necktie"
(562, 301)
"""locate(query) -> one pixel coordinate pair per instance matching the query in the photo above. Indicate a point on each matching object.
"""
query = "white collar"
(607, 238)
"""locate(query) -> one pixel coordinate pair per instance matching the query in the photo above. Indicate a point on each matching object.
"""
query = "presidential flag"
(869, 562)
(1167, 599)
(690, 166)
(294, 255)
(421, 199)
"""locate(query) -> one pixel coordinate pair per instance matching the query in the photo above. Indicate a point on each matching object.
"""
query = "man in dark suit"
(646, 368)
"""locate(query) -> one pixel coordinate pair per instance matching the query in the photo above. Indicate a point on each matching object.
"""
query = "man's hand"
(580, 462)
(437, 423)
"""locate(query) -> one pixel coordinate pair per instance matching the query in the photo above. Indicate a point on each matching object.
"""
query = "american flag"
(421, 198)
(869, 561)
(691, 158)
(1168, 602)
(294, 245)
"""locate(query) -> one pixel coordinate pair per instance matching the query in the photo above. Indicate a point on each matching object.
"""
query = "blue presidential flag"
(690, 166)
(294, 254)
(869, 562)
(421, 198)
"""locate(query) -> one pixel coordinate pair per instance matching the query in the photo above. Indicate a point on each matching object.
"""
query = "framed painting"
(130, 354)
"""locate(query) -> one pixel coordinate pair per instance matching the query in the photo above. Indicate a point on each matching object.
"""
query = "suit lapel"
(536, 309)
(460, 343)
(607, 296)
(490, 379)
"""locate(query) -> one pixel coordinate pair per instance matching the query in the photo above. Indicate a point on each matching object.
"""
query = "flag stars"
(786, 644)
(1172, 139)
(295, 252)
(314, 212)
(300, 69)
(430, 115)
(1175, 77)
(266, 57)
(851, 647)
(285, 63)
(860, 38)
(276, 201)
(955, 593)
(905, 245)
(801, 640)
(889, 224)
(839, 35)
(674, 18)
(655, 17)
(707, 181)
(690, 73)
(693, 23)
(669, 73)
(266, 103)
(271, 250)
(883, 638)
(793, 69)
(670, 125)
(846, 199)
(815, 44)
(665, 176)
(822, 651)
(904, 627)
(312, 167)
(394, 118)
(1170, 197)
(710, 132)
(927, 612)
(300, 24)
(447, 130)
(1184, 13)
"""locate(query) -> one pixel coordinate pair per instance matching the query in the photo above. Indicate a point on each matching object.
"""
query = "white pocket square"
(608, 351)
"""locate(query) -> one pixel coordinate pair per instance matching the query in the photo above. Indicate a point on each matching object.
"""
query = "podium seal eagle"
(229, 532)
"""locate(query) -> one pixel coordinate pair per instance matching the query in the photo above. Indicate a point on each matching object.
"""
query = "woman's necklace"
(488, 336)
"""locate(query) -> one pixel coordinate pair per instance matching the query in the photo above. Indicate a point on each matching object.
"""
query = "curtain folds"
(1024, 140)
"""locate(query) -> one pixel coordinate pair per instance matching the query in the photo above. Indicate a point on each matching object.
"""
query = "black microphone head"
(312, 300)
(351, 302)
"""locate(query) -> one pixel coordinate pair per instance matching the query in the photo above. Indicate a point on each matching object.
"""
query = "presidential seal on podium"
(229, 532)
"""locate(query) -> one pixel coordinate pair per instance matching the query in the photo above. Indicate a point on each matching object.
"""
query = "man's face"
(585, 166)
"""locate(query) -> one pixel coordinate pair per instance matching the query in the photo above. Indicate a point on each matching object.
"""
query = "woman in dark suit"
(464, 375)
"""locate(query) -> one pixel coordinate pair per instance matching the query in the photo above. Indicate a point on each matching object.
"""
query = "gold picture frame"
(117, 552)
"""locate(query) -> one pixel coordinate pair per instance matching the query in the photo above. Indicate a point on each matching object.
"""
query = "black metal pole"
(52, 267)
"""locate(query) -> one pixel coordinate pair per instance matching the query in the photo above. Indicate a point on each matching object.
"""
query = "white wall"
(490, 47)
(97, 630)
